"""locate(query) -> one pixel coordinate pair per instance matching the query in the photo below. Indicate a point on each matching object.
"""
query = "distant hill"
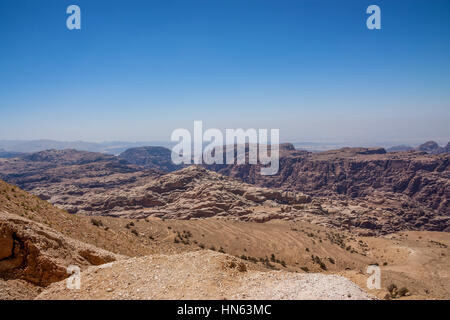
(433, 148)
(110, 147)
(430, 147)
(151, 157)
(399, 148)
(7, 154)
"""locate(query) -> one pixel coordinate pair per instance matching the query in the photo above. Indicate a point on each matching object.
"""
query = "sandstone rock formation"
(366, 190)
(193, 192)
(40, 255)
(37, 242)
(358, 173)
(51, 167)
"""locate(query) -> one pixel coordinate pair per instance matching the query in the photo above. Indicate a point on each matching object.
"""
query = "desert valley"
(140, 227)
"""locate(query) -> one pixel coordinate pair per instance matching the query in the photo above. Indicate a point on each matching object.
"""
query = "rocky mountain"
(432, 148)
(195, 192)
(39, 241)
(422, 176)
(366, 190)
(158, 158)
(357, 173)
(69, 171)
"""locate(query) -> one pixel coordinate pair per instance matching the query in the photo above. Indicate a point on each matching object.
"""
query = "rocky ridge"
(420, 179)
(365, 190)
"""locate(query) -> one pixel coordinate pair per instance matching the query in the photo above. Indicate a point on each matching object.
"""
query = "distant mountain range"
(430, 147)
(8, 154)
(11, 148)
(110, 147)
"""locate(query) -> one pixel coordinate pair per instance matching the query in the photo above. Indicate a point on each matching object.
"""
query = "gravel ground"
(200, 275)
(294, 286)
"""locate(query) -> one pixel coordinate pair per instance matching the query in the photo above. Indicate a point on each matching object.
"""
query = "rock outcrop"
(35, 253)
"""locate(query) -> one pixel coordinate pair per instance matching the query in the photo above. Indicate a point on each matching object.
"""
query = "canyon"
(325, 215)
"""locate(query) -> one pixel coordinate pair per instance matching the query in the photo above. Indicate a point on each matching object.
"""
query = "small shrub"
(305, 269)
(187, 234)
(403, 291)
(135, 232)
(241, 267)
(97, 223)
(317, 260)
(129, 225)
(392, 288)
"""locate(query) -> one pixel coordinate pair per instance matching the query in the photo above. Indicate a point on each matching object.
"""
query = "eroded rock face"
(193, 192)
(366, 190)
(358, 173)
(40, 255)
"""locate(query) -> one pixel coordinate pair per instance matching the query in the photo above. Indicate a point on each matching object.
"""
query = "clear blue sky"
(139, 69)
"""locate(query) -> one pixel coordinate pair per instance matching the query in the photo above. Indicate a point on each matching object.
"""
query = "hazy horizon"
(115, 147)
